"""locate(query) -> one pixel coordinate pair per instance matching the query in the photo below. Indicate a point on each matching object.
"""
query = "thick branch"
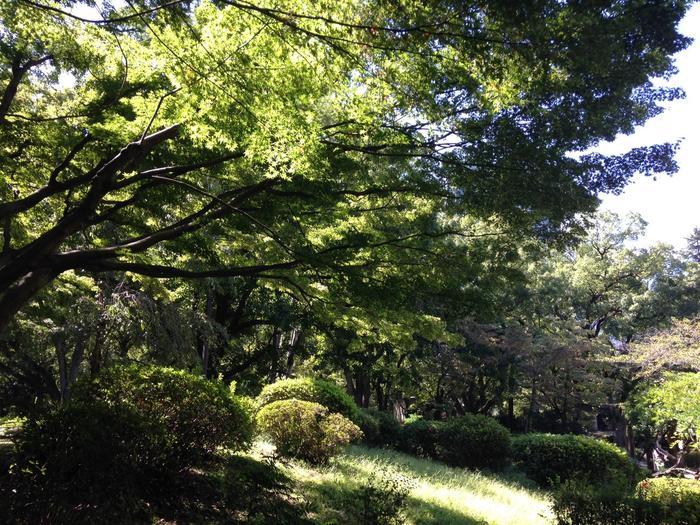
(34, 254)
(18, 72)
(160, 271)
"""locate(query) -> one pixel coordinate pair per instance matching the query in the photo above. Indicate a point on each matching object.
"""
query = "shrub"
(199, 415)
(577, 502)
(379, 428)
(85, 463)
(419, 437)
(678, 497)
(261, 492)
(549, 459)
(305, 430)
(468, 441)
(669, 501)
(473, 441)
(318, 391)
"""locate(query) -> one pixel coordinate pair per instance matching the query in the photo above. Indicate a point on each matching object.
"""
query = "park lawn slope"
(438, 494)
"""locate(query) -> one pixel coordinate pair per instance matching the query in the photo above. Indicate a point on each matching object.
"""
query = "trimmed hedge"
(306, 430)
(550, 459)
(318, 391)
(198, 415)
(379, 428)
(419, 438)
(472, 441)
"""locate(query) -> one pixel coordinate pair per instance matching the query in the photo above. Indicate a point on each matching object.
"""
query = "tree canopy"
(326, 146)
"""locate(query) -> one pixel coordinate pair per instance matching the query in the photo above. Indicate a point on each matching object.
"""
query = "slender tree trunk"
(532, 407)
(399, 408)
(205, 344)
(349, 382)
(59, 345)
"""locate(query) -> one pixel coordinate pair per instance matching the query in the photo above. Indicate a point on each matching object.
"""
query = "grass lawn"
(439, 495)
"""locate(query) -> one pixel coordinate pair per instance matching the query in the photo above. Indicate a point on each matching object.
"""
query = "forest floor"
(437, 494)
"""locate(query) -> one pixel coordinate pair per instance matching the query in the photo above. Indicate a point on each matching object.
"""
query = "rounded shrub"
(419, 437)
(306, 430)
(378, 427)
(318, 391)
(198, 415)
(86, 463)
(473, 441)
(550, 459)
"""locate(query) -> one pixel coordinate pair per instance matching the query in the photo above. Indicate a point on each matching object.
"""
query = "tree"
(608, 287)
(693, 248)
(673, 348)
(292, 141)
(667, 415)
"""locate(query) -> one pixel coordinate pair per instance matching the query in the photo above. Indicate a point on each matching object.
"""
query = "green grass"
(439, 495)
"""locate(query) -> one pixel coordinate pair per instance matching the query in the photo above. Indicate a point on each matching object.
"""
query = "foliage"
(317, 159)
(379, 427)
(198, 415)
(671, 501)
(674, 348)
(306, 430)
(579, 503)
(318, 391)
(551, 459)
(473, 441)
(667, 416)
(673, 400)
(419, 437)
(261, 491)
(678, 497)
(86, 463)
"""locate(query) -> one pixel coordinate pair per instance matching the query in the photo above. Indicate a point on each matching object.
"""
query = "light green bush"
(306, 430)
(678, 497)
(318, 391)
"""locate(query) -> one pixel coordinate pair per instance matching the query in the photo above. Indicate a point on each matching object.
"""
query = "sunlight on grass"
(439, 494)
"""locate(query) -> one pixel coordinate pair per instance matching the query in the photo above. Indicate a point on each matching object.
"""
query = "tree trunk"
(399, 408)
(205, 344)
(532, 407)
(59, 344)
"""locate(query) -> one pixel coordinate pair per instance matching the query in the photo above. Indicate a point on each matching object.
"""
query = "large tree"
(292, 141)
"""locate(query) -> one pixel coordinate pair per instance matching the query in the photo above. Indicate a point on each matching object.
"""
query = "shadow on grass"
(430, 470)
(425, 513)
(337, 504)
(232, 490)
(338, 500)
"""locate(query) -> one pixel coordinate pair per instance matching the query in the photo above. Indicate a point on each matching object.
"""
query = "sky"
(671, 205)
